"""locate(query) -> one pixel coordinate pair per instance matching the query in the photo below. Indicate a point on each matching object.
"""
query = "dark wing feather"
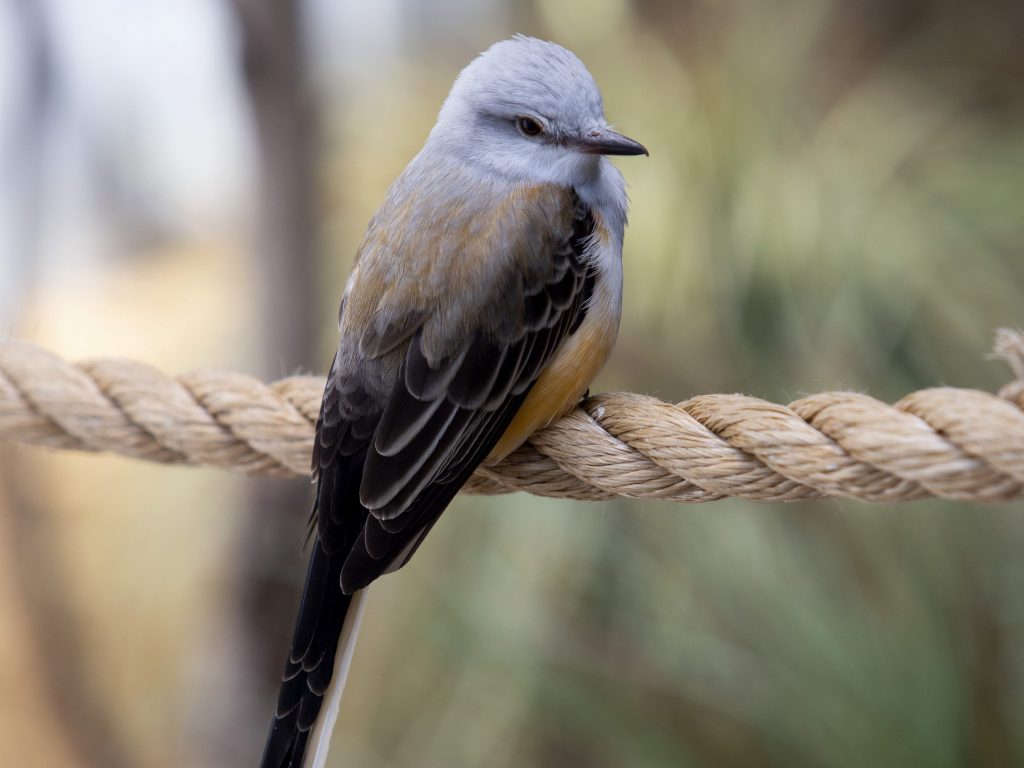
(473, 383)
(380, 547)
(380, 338)
(423, 380)
(384, 477)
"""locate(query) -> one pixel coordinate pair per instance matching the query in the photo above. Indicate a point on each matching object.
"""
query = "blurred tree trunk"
(273, 61)
(271, 568)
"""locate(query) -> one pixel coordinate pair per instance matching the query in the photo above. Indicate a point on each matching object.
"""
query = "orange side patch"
(562, 383)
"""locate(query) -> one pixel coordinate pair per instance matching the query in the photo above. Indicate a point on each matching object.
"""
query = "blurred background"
(833, 200)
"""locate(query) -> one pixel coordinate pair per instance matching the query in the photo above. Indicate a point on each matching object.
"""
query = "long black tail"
(309, 669)
(309, 673)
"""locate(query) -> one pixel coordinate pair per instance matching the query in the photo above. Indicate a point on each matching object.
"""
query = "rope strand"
(944, 442)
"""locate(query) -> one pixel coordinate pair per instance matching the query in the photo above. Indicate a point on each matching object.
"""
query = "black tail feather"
(322, 612)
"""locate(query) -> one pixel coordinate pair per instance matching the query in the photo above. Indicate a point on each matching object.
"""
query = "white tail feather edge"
(320, 738)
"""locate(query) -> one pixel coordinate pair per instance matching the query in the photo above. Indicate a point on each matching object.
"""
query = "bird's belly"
(574, 365)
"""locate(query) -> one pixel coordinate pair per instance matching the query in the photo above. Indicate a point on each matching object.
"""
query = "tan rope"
(952, 443)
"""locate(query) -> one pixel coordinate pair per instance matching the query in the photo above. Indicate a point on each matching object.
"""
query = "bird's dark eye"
(529, 127)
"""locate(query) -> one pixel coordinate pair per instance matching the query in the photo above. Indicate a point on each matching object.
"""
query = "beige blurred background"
(833, 200)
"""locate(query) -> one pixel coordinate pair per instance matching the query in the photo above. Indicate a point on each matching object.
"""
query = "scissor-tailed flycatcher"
(485, 298)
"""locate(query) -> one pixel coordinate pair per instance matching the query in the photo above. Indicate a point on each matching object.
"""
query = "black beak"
(605, 141)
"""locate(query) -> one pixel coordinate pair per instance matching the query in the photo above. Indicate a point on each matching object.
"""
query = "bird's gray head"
(530, 110)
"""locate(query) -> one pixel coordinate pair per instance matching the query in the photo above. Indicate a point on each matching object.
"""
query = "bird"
(485, 297)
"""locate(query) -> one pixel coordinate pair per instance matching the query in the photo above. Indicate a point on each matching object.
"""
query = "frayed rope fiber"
(944, 442)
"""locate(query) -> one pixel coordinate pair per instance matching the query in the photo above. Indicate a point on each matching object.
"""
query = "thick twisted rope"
(945, 442)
